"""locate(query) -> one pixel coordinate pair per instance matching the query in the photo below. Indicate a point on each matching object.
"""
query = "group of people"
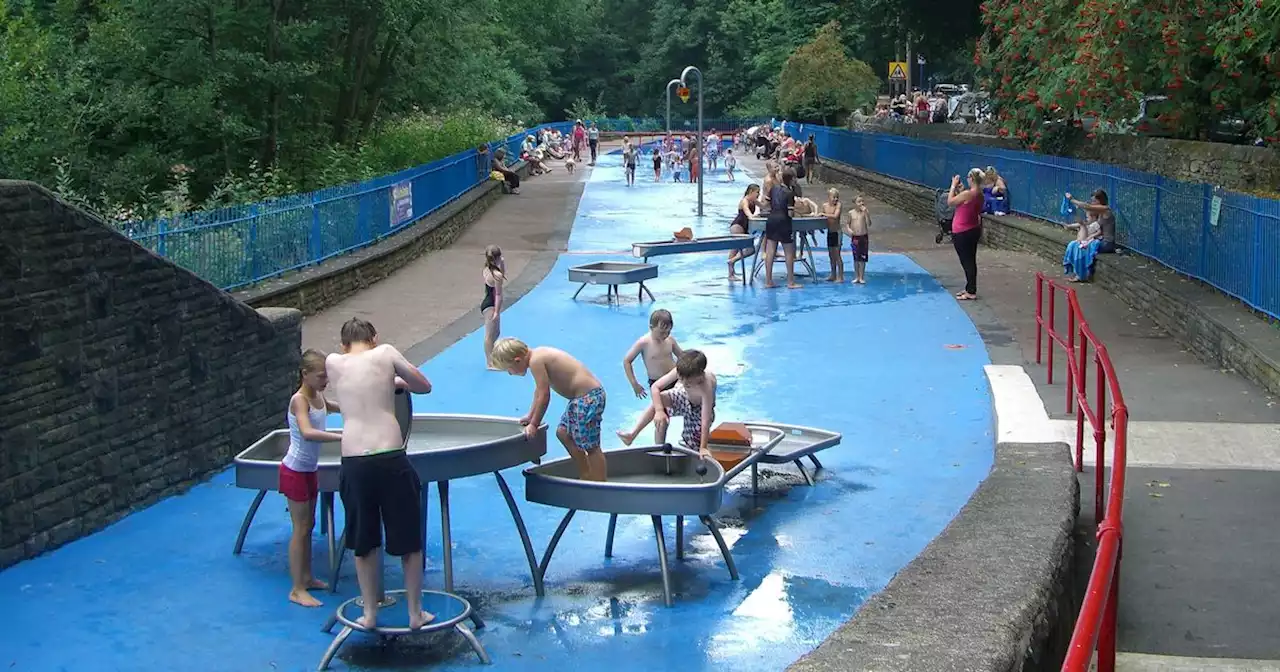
(985, 191)
(777, 144)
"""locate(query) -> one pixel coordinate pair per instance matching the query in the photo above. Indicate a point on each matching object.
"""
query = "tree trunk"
(270, 147)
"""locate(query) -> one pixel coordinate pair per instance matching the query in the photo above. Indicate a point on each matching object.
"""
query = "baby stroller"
(943, 213)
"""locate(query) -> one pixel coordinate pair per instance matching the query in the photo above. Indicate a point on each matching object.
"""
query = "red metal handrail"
(1096, 626)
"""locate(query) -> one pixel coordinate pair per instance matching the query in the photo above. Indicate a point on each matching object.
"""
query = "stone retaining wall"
(1236, 167)
(124, 377)
(993, 593)
(316, 288)
(1217, 328)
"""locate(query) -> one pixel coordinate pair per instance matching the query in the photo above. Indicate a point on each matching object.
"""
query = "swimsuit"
(740, 220)
(582, 419)
(488, 301)
(860, 246)
(381, 490)
(654, 380)
(778, 227)
(678, 404)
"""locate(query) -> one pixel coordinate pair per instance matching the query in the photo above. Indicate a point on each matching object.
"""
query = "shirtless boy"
(660, 352)
(557, 370)
(379, 486)
(694, 399)
(859, 230)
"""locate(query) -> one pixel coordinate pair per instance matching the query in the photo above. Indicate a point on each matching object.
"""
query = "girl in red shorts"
(308, 410)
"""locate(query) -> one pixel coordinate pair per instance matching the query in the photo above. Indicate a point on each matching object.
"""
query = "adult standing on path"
(593, 137)
(966, 228)
(579, 139)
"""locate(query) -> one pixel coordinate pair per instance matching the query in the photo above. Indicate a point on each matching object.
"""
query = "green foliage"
(820, 82)
(1069, 62)
(142, 108)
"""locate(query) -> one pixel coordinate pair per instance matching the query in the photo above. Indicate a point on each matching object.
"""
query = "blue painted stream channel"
(894, 365)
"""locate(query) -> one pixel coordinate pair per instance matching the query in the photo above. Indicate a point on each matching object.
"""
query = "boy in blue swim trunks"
(557, 370)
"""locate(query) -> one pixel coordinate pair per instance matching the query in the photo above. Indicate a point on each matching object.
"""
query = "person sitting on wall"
(499, 165)
(1098, 208)
(1078, 260)
(995, 193)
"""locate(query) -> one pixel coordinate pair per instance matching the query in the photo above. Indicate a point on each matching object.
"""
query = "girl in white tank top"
(308, 411)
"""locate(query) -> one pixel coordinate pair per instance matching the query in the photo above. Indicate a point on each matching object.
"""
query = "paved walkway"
(1200, 545)
(434, 301)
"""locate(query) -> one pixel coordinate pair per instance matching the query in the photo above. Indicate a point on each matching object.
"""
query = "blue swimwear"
(582, 419)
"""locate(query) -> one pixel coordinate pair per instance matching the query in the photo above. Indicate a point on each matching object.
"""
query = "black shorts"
(833, 238)
(779, 230)
(654, 380)
(382, 491)
(860, 246)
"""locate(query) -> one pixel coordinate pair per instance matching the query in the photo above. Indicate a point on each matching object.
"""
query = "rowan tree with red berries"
(1065, 61)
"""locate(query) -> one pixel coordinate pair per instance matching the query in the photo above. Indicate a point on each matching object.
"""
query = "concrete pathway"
(434, 301)
(1200, 543)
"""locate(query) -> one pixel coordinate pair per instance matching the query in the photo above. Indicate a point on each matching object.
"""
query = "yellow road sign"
(898, 70)
(683, 92)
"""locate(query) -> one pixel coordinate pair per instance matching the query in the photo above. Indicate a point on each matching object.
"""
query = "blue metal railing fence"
(240, 245)
(1226, 239)
(237, 246)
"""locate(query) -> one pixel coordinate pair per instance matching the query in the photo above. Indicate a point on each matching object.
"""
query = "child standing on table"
(557, 370)
(859, 229)
(693, 399)
(831, 209)
(308, 410)
(379, 486)
(660, 352)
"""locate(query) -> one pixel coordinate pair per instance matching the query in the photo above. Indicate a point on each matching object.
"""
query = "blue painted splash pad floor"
(160, 590)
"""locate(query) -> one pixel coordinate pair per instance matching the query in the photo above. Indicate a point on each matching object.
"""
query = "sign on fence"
(898, 71)
(401, 203)
(1215, 210)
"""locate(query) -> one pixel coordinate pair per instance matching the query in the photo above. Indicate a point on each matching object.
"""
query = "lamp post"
(670, 84)
(684, 76)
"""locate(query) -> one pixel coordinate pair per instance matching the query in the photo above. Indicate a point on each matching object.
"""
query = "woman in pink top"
(966, 228)
(579, 139)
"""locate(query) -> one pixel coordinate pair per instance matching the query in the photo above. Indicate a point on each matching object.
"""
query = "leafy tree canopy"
(820, 81)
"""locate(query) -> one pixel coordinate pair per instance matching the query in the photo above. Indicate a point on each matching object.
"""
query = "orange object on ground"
(684, 234)
(729, 458)
(730, 434)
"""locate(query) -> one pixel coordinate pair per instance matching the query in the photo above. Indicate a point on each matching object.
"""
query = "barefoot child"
(494, 275)
(556, 370)
(379, 486)
(859, 228)
(657, 165)
(660, 352)
(694, 399)
(748, 207)
(729, 163)
(832, 211)
(308, 410)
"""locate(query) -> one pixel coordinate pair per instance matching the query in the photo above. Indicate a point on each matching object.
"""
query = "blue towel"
(1067, 208)
(1079, 259)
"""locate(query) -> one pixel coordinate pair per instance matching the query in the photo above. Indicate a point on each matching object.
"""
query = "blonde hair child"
(494, 276)
(308, 411)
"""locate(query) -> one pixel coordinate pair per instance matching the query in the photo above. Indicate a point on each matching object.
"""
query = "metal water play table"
(733, 241)
(441, 447)
(449, 610)
(804, 226)
(655, 481)
(614, 273)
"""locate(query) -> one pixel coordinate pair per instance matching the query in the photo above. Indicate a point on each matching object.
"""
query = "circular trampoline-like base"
(449, 610)
(387, 600)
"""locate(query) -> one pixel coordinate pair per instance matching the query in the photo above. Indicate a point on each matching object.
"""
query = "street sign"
(898, 71)
(920, 60)
(683, 92)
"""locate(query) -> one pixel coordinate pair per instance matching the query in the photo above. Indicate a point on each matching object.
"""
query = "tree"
(1067, 62)
(821, 83)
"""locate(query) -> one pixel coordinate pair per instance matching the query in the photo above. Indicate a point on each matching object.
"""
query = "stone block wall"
(1235, 167)
(123, 378)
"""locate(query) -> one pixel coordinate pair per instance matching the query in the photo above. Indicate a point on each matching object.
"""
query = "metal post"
(684, 76)
(674, 82)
